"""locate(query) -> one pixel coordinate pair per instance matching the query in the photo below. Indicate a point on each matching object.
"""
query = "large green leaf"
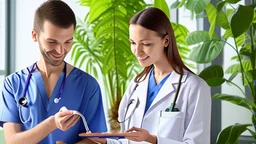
(233, 1)
(85, 2)
(161, 4)
(231, 134)
(241, 20)
(252, 132)
(197, 5)
(240, 40)
(246, 49)
(220, 5)
(228, 34)
(97, 8)
(222, 20)
(197, 37)
(181, 33)
(213, 75)
(254, 17)
(178, 4)
(237, 68)
(208, 50)
(248, 78)
(237, 100)
(175, 4)
(211, 13)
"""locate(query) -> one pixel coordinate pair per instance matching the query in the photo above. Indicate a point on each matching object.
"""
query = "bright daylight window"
(3, 40)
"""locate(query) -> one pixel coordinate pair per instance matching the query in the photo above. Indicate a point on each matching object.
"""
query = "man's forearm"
(33, 135)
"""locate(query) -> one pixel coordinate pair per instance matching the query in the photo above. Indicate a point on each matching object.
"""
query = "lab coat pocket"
(170, 125)
(24, 114)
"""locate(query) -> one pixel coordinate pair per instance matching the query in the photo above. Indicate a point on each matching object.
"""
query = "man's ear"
(166, 40)
(34, 35)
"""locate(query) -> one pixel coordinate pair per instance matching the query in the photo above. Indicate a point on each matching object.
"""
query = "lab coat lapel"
(168, 88)
(141, 93)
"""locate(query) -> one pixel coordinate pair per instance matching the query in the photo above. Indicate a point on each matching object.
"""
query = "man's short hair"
(56, 12)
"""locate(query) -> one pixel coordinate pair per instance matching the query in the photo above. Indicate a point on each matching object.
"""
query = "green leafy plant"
(239, 25)
(101, 46)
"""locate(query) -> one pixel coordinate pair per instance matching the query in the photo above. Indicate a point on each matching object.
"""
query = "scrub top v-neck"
(153, 88)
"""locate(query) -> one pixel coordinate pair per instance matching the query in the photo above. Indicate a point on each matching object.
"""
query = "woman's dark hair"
(55, 11)
(154, 19)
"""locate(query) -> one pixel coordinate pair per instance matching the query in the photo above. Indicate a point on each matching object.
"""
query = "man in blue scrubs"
(32, 98)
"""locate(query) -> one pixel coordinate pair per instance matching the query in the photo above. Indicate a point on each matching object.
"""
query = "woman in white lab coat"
(146, 111)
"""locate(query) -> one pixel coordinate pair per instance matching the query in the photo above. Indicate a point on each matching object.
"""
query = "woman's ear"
(166, 40)
(34, 35)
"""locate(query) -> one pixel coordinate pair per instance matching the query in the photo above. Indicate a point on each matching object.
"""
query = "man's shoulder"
(82, 74)
(18, 73)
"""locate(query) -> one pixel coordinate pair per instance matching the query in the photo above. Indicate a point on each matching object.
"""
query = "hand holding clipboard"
(134, 134)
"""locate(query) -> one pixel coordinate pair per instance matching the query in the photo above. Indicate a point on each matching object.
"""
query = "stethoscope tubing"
(23, 101)
(21, 117)
(131, 100)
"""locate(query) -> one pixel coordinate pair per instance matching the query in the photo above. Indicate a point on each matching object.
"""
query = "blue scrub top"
(81, 92)
(153, 88)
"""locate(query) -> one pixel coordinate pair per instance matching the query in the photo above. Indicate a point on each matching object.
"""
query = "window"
(3, 40)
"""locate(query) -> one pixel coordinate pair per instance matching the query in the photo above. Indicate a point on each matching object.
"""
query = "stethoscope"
(23, 101)
(171, 107)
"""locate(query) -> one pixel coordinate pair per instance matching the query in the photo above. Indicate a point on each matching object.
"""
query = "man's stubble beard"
(47, 58)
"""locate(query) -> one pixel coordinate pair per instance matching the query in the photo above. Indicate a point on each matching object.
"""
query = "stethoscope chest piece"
(23, 101)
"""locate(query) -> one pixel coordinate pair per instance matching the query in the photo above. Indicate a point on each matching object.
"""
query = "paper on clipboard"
(104, 135)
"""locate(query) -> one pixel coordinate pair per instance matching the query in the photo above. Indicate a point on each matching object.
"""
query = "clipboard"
(104, 135)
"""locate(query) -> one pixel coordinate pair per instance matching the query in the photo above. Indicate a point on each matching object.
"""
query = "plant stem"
(253, 71)
(242, 70)
(253, 54)
(232, 6)
(115, 51)
(237, 87)
(229, 44)
(252, 57)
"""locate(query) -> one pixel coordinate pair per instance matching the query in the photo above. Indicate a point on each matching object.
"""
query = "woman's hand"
(60, 142)
(92, 141)
(99, 140)
(139, 134)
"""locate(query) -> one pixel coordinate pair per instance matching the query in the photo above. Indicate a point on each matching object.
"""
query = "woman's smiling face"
(146, 45)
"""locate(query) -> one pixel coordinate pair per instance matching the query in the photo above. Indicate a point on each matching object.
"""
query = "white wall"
(2, 34)
(3, 40)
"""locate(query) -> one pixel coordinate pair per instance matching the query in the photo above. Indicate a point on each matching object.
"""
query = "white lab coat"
(191, 125)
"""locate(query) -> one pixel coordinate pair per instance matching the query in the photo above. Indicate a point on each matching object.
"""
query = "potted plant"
(101, 46)
(239, 25)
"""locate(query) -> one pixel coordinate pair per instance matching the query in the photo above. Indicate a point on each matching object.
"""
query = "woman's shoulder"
(194, 80)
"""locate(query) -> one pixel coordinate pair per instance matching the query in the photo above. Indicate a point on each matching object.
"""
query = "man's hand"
(65, 119)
